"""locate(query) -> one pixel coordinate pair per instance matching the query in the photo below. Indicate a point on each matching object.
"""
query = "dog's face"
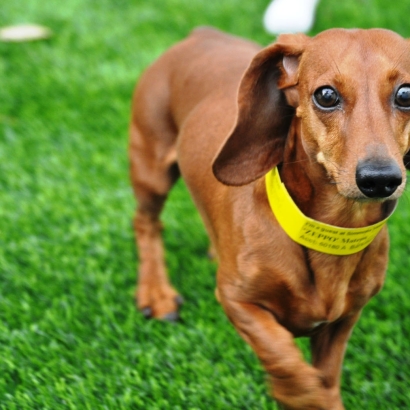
(354, 104)
(351, 92)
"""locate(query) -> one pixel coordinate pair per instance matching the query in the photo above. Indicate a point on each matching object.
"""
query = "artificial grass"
(70, 337)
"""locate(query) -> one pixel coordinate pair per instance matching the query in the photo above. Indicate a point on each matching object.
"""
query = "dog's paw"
(159, 302)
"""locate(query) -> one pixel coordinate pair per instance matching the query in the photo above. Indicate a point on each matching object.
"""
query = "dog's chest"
(306, 297)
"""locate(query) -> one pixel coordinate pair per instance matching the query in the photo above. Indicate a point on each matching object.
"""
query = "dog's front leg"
(295, 384)
(328, 349)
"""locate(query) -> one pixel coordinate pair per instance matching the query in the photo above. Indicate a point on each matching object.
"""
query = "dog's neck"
(316, 196)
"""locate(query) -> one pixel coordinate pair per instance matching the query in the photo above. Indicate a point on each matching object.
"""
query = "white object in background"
(290, 16)
(24, 32)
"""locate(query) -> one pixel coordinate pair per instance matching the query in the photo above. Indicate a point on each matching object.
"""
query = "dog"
(321, 123)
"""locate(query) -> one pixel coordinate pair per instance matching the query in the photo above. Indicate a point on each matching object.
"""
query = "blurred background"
(70, 337)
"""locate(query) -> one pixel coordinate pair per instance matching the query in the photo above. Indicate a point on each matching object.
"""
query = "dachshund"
(314, 129)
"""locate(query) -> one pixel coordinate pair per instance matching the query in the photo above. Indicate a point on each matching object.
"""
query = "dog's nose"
(378, 179)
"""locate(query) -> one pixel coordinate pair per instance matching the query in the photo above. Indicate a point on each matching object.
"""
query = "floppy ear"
(255, 144)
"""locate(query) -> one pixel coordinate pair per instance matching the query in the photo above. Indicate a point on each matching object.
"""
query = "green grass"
(70, 337)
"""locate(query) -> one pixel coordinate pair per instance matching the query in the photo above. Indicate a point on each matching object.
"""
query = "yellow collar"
(314, 234)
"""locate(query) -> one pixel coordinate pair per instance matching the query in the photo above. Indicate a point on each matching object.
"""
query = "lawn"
(70, 337)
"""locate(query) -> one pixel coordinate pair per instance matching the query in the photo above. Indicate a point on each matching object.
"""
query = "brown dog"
(333, 114)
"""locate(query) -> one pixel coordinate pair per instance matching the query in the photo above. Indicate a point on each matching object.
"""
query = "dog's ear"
(255, 144)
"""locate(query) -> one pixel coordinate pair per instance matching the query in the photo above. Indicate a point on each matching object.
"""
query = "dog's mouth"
(355, 194)
(384, 207)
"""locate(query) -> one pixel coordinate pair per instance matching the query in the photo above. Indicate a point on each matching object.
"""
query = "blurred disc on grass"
(24, 32)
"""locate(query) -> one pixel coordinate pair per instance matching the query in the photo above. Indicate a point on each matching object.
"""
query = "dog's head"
(350, 90)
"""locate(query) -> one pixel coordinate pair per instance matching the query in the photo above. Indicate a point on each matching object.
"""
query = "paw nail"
(171, 317)
(146, 312)
(179, 300)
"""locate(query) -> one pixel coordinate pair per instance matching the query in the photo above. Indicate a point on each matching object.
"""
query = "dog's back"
(207, 65)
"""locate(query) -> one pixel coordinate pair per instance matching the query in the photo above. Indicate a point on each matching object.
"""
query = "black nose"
(378, 178)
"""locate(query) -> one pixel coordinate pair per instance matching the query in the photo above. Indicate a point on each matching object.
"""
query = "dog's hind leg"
(154, 170)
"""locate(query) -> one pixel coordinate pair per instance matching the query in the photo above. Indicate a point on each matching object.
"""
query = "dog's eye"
(326, 97)
(402, 98)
